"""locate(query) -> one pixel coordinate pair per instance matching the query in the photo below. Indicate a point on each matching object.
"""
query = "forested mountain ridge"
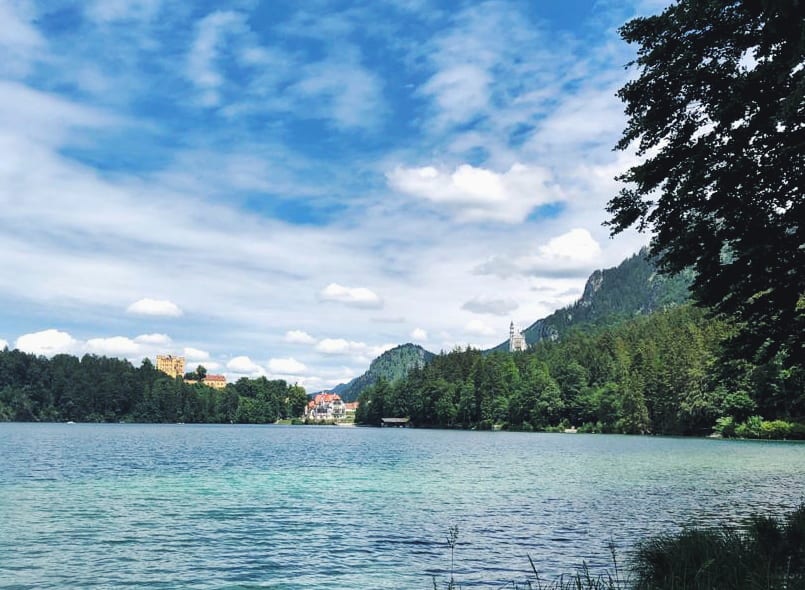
(661, 373)
(391, 366)
(612, 295)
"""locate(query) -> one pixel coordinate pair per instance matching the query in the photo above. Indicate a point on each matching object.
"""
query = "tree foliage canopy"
(718, 117)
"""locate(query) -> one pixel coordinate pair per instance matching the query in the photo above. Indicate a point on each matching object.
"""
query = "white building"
(517, 341)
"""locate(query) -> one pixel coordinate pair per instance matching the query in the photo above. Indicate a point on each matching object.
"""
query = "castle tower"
(173, 366)
(517, 341)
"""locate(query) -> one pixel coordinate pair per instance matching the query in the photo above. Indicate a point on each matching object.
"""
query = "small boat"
(70, 422)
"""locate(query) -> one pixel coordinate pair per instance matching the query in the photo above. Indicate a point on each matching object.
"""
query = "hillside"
(392, 366)
(631, 289)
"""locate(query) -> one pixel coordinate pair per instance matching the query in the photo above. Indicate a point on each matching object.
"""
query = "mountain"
(632, 288)
(392, 365)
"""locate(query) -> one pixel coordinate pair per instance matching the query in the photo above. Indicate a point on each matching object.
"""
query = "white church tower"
(516, 339)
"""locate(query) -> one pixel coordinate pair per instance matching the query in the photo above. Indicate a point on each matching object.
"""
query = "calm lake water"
(163, 506)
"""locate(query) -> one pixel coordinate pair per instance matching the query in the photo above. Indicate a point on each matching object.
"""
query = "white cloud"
(299, 337)
(107, 11)
(3, 343)
(479, 328)
(574, 253)
(244, 365)
(490, 306)
(194, 354)
(342, 91)
(478, 194)
(153, 339)
(19, 39)
(47, 342)
(419, 335)
(354, 296)
(286, 366)
(154, 307)
(340, 346)
(460, 92)
(116, 346)
(211, 32)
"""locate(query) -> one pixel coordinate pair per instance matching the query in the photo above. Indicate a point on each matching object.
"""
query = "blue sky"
(289, 188)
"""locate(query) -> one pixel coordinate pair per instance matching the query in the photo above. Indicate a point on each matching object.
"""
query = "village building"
(326, 406)
(214, 381)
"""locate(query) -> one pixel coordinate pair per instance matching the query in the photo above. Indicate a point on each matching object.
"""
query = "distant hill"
(392, 365)
(632, 288)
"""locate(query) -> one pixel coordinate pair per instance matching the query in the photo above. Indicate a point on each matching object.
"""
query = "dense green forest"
(659, 374)
(101, 389)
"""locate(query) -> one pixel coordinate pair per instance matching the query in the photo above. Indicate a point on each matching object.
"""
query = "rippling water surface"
(163, 506)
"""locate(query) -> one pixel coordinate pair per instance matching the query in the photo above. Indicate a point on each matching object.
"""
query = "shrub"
(769, 555)
(725, 426)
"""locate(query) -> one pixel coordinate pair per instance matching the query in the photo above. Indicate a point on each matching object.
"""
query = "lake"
(219, 506)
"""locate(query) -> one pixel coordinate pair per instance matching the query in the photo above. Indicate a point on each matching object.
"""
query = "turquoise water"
(164, 506)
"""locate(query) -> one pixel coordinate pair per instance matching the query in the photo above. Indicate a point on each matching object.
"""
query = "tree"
(718, 117)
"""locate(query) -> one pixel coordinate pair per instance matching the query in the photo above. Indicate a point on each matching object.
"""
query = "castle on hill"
(517, 341)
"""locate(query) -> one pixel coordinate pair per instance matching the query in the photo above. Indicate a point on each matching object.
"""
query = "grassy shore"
(767, 554)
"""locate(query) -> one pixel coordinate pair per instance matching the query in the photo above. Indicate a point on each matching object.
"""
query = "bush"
(751, 428)
(775, 429)
(725, 426)
(769, 555)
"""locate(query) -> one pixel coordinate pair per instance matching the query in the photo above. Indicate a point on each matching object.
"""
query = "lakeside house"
(326, 406)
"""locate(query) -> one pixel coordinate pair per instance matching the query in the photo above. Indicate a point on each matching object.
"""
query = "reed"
(767, 554)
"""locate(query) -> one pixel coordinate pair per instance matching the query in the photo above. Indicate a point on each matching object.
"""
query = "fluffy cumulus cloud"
(572, 254)
(47, 342)
(195, 354)
(298, 337)
(118, 346)
(286, 366)
(490, 305)
(419, 335)
(340, 346)
(343, 347)
(159, 339)
(478, 194)
(243, 365)
(154, 307)
(354, 296)
(3, 343)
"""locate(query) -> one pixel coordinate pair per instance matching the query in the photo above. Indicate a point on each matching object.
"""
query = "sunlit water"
(163, 506)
